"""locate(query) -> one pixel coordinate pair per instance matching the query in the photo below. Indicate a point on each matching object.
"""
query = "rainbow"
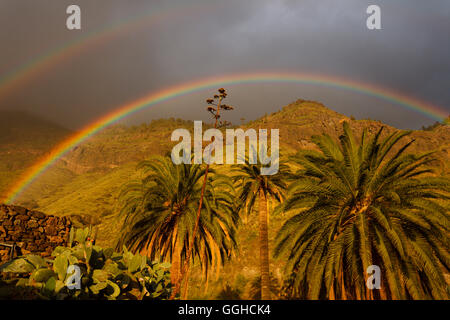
(89, 40)
(226, 80)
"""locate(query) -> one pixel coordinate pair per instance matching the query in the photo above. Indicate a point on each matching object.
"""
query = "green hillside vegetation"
(85, 184)
(118, 145)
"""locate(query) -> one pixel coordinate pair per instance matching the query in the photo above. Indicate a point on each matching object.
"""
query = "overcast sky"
(185, 40)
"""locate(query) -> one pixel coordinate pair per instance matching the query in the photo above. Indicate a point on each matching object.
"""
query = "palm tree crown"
(362, 204)
(160, 212)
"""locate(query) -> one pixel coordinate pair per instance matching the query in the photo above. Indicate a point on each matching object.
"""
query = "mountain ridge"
(297, 122)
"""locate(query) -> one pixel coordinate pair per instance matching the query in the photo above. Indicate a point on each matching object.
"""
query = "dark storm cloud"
(410, 54)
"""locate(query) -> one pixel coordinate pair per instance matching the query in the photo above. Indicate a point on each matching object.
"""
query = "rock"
(14, 233)
(32, 224)
(55, 239)
(52, 221)
(8, 223)
(37, 234)
(22, 217)
(17, 210)
(4, 254)
(38, 214)
(50, 230)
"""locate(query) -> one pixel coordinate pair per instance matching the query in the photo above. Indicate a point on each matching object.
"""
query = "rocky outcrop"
(30, 231)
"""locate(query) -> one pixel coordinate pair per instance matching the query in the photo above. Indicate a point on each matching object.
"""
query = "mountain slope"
(86, 180)
(24, 138)
(119, 147)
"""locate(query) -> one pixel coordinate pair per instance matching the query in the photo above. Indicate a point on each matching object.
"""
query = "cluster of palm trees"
(351, 204)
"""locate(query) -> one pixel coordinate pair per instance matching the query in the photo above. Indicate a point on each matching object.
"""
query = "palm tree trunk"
(264, 247)
(343, 292)
(332, 295)
(175, 270)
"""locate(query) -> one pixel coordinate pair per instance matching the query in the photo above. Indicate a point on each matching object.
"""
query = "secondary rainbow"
(153, 98)
(43, 62)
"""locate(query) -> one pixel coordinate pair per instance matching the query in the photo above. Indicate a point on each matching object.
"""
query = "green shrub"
(105, 274)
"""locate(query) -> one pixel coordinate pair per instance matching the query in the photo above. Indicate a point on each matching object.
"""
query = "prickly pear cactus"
(86, 271)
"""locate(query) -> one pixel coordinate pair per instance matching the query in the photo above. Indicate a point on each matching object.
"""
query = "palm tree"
(357, 205)
(160, 213)
(254, 291)
(252, 186)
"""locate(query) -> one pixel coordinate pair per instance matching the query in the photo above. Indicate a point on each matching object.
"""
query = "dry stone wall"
(30, 231)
